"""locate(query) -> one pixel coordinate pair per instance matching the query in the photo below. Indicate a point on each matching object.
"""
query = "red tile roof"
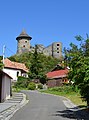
(15, 65)
(57, 74)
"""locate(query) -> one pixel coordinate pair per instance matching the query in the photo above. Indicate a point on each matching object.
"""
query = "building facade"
(15, 69)
(23, 45)
(57, 77)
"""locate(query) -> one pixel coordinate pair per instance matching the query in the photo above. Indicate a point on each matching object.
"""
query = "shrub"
(21, 78)
(31, 86)
(58, 89)
(22, 82)
(40, 86)
(67, 89)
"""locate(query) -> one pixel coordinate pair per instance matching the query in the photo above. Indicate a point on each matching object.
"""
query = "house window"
(24, 75)
(23, 45)
(17, 74)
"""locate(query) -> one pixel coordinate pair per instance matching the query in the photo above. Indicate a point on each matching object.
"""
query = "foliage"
(22, 58)
(22, 82)
(40, 86)
(1, 64)
(65, 89)
(31, 86)
(36, 67)
(42, 78)
(37, 63)
(84, 91)
(77, 58)
(46, 63)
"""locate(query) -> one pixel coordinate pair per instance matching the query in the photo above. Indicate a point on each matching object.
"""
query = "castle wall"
(23, 45)
(40, 48)
(55, 50)
(48, 50)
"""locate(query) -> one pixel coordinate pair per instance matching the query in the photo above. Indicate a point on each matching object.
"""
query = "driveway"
(43, 107)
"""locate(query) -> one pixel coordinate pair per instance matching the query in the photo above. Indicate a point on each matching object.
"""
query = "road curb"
(67, 102)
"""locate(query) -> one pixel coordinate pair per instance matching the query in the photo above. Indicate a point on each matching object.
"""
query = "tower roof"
(24, 35)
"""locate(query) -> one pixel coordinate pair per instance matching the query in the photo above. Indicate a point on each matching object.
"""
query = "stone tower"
(57, 49)
(23, 42)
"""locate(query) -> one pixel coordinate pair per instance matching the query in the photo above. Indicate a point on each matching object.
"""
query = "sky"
(46, 21)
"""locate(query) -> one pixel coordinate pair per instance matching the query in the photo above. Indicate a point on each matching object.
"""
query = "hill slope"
(47, 62)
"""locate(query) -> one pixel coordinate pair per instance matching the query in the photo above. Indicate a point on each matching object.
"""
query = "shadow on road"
(73, 113)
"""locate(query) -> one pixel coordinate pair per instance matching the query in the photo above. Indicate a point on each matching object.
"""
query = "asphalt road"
(43, 107)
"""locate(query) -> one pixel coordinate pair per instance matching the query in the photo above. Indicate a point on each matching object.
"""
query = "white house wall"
(12, 73)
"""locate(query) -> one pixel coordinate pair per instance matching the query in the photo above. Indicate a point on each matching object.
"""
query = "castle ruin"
(23, 45)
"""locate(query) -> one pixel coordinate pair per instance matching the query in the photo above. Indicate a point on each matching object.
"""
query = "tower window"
(25, 41)
(57, 48)
(23, 45)
(57, 51)
(58, 44)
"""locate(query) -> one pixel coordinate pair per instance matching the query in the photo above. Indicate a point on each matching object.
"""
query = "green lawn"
(73, 96)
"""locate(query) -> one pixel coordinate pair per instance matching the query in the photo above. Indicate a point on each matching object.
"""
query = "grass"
(65, 91)
(18, 89)
(73, 96)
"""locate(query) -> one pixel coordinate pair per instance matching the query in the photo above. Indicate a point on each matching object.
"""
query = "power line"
(10, 50)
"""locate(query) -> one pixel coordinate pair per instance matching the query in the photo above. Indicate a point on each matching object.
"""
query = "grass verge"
(73, 96)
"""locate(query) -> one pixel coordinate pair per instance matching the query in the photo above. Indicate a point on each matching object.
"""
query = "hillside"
(47, 62)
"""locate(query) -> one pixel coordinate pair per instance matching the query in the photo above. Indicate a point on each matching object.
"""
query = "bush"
(40, 86)
(21, 78)
(58, 89)
(22, 82)
(31, 86)
(68, 89)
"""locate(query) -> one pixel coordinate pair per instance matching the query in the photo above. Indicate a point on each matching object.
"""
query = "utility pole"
(3, 52)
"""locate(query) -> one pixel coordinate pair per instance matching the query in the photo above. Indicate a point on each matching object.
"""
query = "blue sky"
(46, 21)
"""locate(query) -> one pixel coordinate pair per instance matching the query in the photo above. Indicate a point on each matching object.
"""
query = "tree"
(37, 63)
(1, 64)
(36, 69)
(79, 66)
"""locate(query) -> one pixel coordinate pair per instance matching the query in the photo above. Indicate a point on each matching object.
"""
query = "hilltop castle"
(23, 45)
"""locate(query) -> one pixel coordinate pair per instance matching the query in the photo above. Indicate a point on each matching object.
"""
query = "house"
(5, 86)
(57, 77)
(15, 69)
